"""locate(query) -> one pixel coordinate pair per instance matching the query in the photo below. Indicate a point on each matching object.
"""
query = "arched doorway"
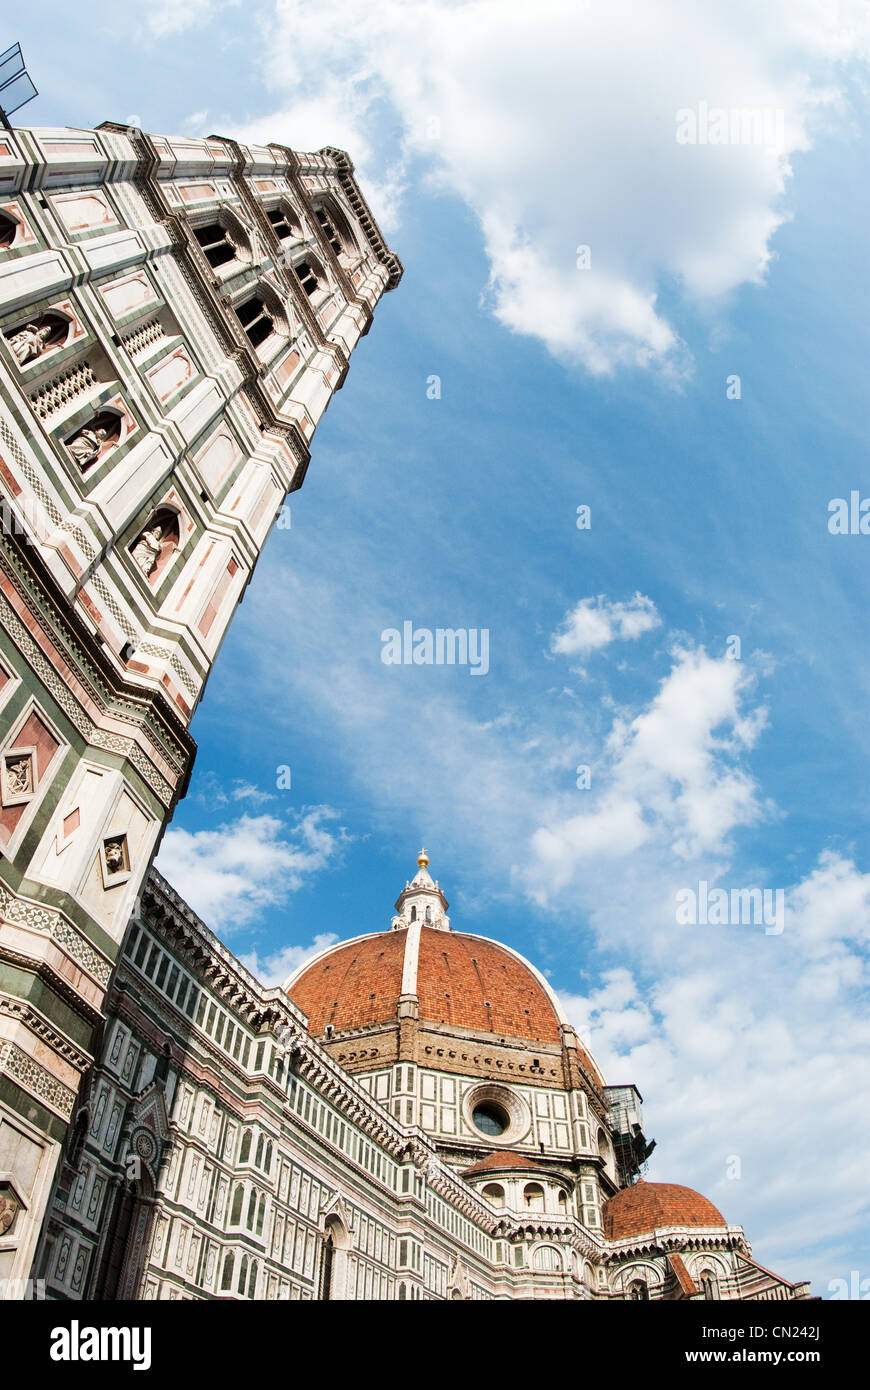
(126, 1247)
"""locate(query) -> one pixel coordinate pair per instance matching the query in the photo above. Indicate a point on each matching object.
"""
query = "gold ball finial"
(423, 859)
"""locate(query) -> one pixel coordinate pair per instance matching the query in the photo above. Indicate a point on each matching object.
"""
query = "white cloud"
(231, 875)
(215, 793)
(167, 18)
(274, 969)
(670, 777)
(595, 623)
(246, 791)
(736, 1053)
(334, 115)
(557, 123)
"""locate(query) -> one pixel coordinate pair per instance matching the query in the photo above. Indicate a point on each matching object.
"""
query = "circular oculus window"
(490, 1119)
(496, 1113)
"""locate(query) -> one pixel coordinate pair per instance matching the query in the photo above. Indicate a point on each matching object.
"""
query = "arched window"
(533, 1194)
(428, 914)
(261, 1215)
(252, 1210)
(259, 1158)
(335, 228)
(284, 226)
(637, 1290)
(256, 320)
(563, 1200)
(494, 1194)
(413, 914)
(216, 243)
(238, 1199)
(329, 231)
(333, 1260)
(709, 1284)
(548, 1259)
(245, 1153)
(403, 1291)
(227, 1276)
(243, 1274)
(8, 229)
(327, 1265)
(307, 277)
(252, 1280)
(268, 1161)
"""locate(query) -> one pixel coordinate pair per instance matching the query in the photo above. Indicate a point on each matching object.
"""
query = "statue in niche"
(8, 1209)
(29, 342)
(19, 778)
(86, 445)
(115, 858)
(146, 551)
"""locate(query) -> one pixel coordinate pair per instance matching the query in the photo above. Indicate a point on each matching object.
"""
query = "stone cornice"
(344, 169)
(23, 1012)
(210, 961)
(678, 1239)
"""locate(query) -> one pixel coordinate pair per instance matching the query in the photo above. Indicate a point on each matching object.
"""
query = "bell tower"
(175, 316)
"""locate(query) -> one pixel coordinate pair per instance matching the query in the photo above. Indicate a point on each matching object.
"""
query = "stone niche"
(153, 548)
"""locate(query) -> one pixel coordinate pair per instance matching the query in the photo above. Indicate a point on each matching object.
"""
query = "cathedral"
(411, 1116)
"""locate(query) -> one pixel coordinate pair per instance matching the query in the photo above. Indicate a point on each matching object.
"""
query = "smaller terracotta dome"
(650, 1206)
(502, 1162)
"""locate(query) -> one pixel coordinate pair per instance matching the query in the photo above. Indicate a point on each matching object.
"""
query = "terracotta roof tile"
(683, 1277)
(354, 985)
(500, 1162)
(463, 981)
(650, 1206)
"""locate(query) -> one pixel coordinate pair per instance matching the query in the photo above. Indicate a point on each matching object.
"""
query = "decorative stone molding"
(34, 1078)
(148, 335)
(23, 1012)
(77, 380)
(23, 912)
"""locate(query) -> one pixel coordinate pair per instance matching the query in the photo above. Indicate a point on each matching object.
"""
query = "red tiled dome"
(464, 981)
(502, 1161)
(649, 1206)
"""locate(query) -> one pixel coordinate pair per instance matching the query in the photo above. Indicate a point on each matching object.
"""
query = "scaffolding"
(630, 1144)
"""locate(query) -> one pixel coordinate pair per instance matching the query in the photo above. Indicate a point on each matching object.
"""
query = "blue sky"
(491, 151)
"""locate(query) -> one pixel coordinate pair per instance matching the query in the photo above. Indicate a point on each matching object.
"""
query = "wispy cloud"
(165, 19)
(669, 776)
(274, 968)
(232, 875)
(216, 793)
